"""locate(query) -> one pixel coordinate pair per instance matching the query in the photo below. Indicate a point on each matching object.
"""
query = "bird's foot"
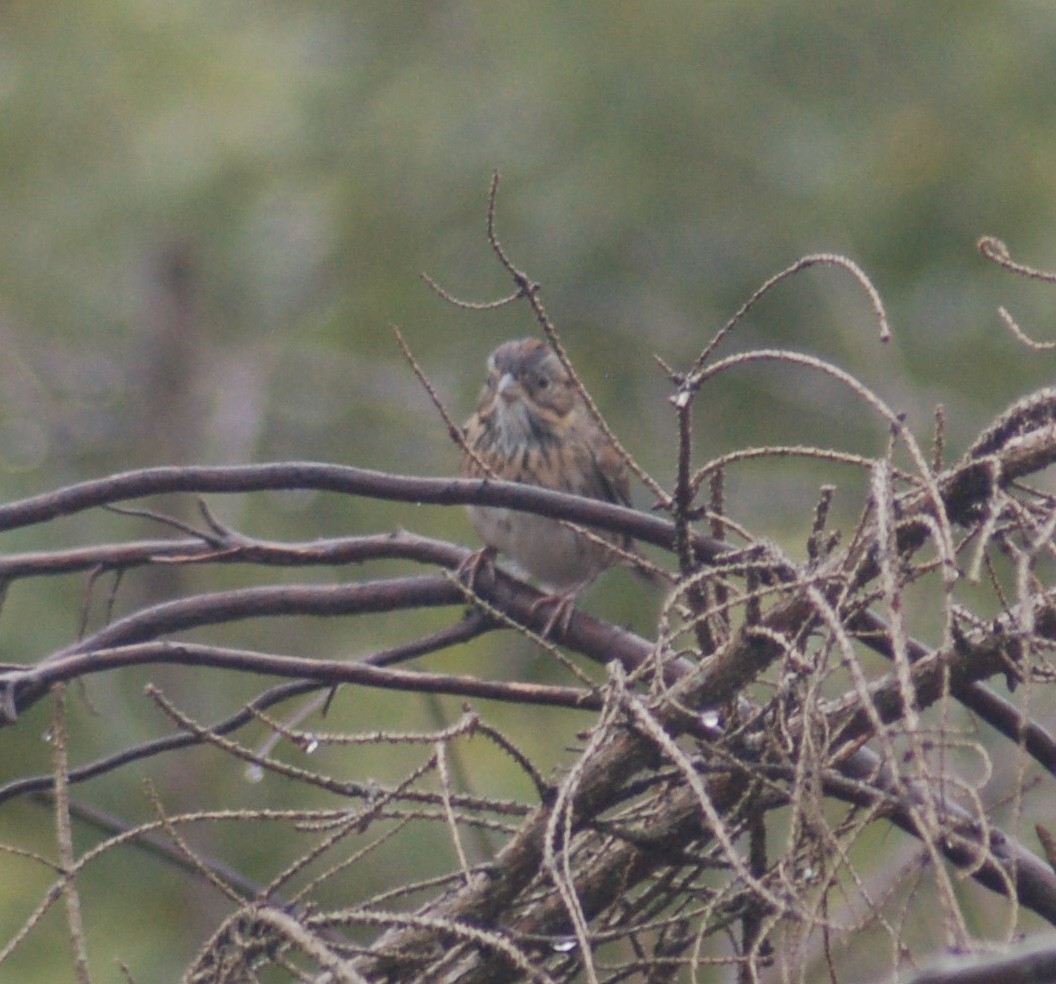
(480, 560)
(564, 604)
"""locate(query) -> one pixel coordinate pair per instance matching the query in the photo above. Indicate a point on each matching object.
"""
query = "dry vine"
(741, 766)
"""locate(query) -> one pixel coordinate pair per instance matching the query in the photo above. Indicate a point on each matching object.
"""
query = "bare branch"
(708, 805)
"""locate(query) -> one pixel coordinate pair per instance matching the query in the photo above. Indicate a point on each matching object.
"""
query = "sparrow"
(532, 425)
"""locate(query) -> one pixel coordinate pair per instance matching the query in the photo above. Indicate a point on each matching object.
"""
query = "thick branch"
(592, 637)
(350, 481)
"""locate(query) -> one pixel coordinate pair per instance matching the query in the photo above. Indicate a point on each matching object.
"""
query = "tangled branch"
(737, 766)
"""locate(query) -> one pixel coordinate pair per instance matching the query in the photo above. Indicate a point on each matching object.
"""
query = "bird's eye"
(541, 382)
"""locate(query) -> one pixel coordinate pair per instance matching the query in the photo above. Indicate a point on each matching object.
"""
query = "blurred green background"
(212, 212)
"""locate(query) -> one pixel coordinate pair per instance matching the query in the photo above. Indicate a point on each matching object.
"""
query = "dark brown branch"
(155, 844)
(971, 663)
(468, 628)
(998, 862)
(589, 636)
(1025, 442)
(1035, 966)
(1022, 441)
(993, 859)
(324, 672)
(171, 743)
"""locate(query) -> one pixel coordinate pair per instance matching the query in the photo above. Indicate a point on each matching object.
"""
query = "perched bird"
(532, 425)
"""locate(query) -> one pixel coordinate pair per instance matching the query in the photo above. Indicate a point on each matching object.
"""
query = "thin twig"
(70, 892)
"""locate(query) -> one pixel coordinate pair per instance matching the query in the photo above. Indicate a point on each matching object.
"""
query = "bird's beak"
(507, 387)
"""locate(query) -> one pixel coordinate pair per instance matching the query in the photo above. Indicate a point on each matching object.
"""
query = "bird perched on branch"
(532, 425)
